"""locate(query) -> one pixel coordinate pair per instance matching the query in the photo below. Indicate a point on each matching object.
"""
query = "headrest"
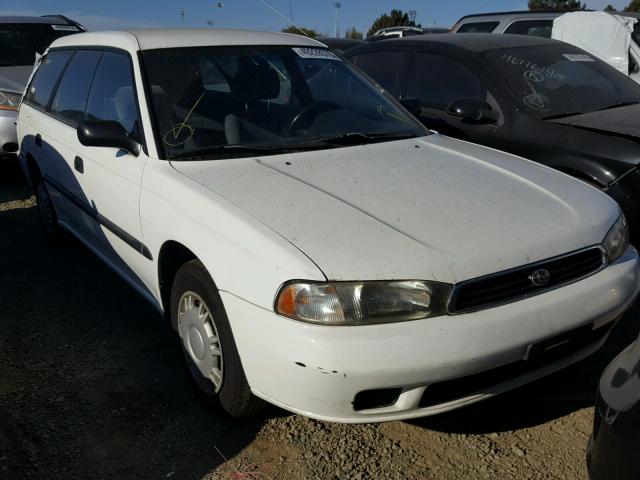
(256, 82)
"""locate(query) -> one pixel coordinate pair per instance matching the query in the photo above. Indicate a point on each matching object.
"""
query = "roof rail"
(67, 20)
(521, 12)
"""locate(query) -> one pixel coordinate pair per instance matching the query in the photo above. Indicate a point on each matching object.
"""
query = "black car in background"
(541, 99)
(614, 447)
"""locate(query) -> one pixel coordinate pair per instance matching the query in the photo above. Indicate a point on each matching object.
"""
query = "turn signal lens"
(361, 303)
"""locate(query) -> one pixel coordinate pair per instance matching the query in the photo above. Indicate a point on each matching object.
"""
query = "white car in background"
(312, 244)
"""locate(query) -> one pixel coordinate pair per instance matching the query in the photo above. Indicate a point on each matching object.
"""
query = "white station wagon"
(311, 243)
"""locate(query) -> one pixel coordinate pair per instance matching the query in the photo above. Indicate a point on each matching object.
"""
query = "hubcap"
(200, 339)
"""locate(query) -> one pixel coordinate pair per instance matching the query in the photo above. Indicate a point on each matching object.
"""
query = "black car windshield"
(553, 81)
(218, 102)
(19, 42)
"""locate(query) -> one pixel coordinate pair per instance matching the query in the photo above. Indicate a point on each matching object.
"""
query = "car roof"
(472, 42)
(151, 39)
(25, 19)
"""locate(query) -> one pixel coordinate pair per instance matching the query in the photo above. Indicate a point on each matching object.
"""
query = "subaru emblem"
(540, 277)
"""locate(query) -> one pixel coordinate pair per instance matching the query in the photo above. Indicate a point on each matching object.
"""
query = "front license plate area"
(560, 345)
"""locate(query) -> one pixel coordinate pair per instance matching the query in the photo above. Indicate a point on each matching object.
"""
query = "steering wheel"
(314, 109)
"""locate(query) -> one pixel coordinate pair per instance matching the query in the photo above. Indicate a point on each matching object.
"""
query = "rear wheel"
(207, 344)
(48, 215)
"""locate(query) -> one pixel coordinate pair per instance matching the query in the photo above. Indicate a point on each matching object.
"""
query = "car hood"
(432, 208)
(14, 79)
(623, 121)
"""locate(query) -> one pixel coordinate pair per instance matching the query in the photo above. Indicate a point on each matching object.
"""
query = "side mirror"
(472, 110)
(106, 133)
(413, 105)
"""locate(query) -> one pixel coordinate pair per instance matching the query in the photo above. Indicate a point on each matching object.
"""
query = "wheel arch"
(171, 257)
(33, 170)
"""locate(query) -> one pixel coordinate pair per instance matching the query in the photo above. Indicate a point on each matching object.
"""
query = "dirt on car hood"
(430, 208)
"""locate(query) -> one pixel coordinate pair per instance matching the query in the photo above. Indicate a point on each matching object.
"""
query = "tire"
(207, 344)
(48, 216)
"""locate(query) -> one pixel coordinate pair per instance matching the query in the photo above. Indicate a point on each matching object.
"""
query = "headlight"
(9, 101)
(617, 240)
(361, 303)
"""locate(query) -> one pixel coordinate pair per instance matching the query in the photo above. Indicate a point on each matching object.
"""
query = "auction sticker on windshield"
(578, 57)
(316, 53)
(65, 28)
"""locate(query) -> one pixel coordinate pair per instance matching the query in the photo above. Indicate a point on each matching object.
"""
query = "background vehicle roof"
(518, 13)
(25, 19)
(182, 37)
(475, 42)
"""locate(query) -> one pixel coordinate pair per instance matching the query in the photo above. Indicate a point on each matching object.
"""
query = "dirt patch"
(91, 386)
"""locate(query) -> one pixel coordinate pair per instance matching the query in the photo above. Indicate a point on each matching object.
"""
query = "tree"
(353, 33)
(609, 8)
(634, 6)
(308, 32)
(556, 5)
(396, 18)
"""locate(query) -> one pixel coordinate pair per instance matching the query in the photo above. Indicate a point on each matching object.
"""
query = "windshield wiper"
(563, 115)
(573, 114)
(359, 138)
(617, 105)
(220, 149)
(243, 151)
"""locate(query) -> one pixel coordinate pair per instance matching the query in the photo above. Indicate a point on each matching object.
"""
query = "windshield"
(214, 102)
(19, 42)
(553, 81)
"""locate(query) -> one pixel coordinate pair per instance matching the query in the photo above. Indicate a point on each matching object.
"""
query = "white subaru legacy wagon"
(312, 244)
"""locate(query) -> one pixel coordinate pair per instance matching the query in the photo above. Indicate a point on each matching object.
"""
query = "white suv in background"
(312, 244)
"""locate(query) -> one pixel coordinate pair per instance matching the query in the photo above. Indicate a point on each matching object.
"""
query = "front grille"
(514, 284)
(549, 352)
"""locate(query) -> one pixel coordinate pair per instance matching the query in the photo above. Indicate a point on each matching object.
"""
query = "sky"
(262, 15)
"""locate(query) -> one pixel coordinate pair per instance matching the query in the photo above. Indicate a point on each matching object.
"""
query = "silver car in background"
(21, 38)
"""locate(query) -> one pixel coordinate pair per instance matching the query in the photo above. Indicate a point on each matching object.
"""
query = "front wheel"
(207, 344)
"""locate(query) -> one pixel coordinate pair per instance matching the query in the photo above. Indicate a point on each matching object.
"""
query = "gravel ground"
(91, 386)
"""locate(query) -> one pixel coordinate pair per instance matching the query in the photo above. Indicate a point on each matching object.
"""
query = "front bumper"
(317, 370)
(8, 134)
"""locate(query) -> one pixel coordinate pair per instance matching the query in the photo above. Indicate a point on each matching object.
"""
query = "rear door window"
(46, 78)
(112, 93)
(477, 27)
(71, 97)
(437, 81)
(534, 28)
(383, 67)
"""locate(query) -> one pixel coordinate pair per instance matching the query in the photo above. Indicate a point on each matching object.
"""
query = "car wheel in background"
(207, 344)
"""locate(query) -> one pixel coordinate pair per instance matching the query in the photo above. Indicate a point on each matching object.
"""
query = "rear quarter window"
(533, 28)
(46, 77)
(477, 27)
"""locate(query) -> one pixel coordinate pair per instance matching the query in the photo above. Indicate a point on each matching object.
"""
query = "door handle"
(38, 140)
(78, 164)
